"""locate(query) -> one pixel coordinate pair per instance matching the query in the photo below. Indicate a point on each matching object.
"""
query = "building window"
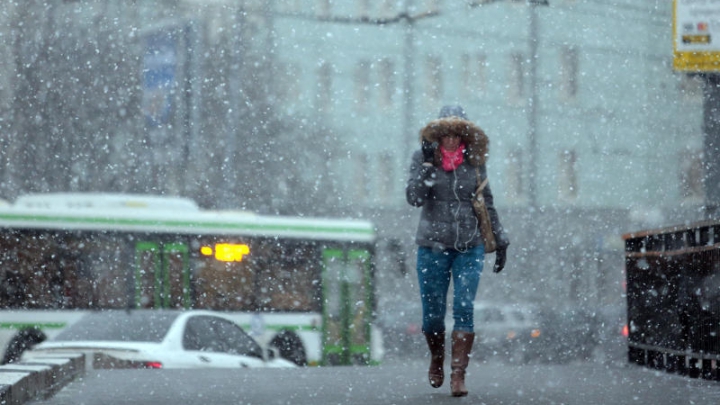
(362, 85)
(290, 83)
(324, 8)
(360, 178)
(691, 177)
(516, 78)
(567, 176)
(388, 8)
(387, 82)
(465, 75)
(433, 5)
(363, 8)
(569, 67)
(6, 73)
(479, 79)
(433, 79)
(292, 6)
(324, 91)
(514, 187)
(386, 177)
(473, 75)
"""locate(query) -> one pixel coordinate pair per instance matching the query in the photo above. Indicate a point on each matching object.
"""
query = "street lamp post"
(532, 109)
(408, 93)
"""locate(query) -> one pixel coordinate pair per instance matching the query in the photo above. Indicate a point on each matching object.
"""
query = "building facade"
(592, 133)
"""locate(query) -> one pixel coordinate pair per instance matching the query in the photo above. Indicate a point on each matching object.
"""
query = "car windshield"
(122, 326)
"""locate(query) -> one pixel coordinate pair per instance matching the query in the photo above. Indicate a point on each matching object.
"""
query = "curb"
(38, 378)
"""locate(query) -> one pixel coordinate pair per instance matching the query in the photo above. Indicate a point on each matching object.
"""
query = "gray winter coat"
(447, 219)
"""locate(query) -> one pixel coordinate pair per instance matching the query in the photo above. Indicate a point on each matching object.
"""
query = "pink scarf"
(452, 160)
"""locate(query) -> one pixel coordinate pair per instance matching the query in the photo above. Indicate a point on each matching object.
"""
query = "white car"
(159, 339)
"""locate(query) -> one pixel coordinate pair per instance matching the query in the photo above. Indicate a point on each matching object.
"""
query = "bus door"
(347, 306)
(162, 275)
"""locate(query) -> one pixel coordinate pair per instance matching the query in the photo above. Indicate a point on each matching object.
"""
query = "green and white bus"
(300, 284)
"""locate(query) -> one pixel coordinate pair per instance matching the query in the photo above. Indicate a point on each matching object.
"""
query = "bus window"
(162, 275)
(334, 315)
(289, 276)
(29, 258)
(224, 285)
(360, 299)
(73, 287)
(272, 276)
(147, 271)
(29, 261)
(31, 264)
(104, 263)
(13, 281)
(12, 289)
(176, 291)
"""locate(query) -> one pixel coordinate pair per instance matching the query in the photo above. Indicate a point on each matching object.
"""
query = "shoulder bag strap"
(481, 185)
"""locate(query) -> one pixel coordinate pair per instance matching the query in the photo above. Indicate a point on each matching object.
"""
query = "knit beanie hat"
(452, 111)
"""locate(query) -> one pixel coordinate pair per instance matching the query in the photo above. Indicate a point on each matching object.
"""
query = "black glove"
(428, 151)
(500, 257)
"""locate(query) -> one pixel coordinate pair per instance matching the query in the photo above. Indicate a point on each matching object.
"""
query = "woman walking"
(443, 179)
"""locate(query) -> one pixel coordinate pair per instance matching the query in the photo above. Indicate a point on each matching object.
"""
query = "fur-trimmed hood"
(474, 138)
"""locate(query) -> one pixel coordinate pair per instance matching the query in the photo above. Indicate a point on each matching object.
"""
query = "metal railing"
(673, 299)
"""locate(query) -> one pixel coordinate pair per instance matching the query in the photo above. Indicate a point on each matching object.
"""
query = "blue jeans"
(435, 268)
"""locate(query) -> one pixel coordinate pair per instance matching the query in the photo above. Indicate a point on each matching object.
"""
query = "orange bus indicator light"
(206, 251)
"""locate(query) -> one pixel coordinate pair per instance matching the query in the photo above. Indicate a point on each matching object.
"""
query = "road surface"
(402, 382)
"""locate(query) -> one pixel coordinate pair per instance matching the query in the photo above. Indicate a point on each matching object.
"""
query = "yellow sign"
(227, 252)
(696, 35)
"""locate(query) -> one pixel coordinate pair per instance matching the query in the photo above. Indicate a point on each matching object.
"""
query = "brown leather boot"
(436, 344)
(461, 347)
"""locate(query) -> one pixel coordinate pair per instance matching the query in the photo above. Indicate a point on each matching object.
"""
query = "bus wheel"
(290, 347)
(23, 340)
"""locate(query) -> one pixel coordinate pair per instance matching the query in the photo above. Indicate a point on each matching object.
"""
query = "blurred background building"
(313, 107)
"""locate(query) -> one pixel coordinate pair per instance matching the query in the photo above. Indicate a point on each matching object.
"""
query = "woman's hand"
(428, 151)
(500, 257)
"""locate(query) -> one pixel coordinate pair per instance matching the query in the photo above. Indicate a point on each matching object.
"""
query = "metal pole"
(531, 220)
(193, 95)
(532, 107)
(229, 167)
(408, 93)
